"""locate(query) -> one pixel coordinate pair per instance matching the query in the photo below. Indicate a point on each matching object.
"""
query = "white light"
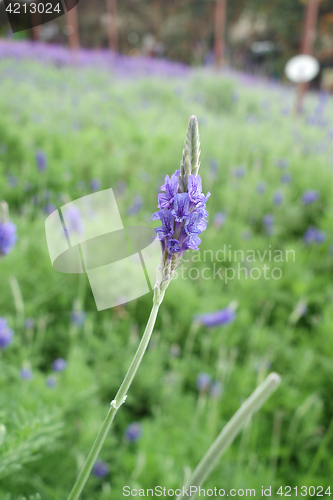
(302, 68)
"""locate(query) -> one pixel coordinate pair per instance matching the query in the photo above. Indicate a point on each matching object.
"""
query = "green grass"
(95, 125)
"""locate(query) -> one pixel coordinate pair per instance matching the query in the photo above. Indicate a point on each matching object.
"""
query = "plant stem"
(115, 405)
(228, 434)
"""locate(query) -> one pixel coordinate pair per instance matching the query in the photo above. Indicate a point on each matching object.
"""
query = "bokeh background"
(107, 106)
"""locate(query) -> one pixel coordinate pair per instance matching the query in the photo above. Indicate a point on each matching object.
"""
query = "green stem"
(115, 405)
(228, 434)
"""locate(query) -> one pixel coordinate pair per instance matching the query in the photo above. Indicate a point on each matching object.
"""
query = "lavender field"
(257, 296)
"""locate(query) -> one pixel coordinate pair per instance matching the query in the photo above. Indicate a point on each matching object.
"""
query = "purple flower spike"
(95, 184)
(181, 207)
(133, 432)
(7, 237)
(59, 365)
(195, 224)
(268, 220)
(221, 317)
(310, 196)
(26, 374)
(100, 469)
(173, 246)
(6, 334)
(203, 382)
(278, 198)
(41, 160)
(314, 235)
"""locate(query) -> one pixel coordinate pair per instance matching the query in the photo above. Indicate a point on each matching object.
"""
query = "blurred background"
(100, 98)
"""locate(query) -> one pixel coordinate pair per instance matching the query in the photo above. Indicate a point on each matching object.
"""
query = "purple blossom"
(95, 184)
(310, 196)
(7, 237)
(261, 187)
(78, 318)
(314, 235)
(133, 432)
(278, 197)
(286, 178)
(26, 374)
(6, 334)
(195, 191)
(203, 382)
(167, 219)
(219, 219)
(181, 207)
(195, 224)
(50, 208)
(41, 160)
(59, 365)
(51, 381)
(73, 220)
(136, 205)
(282, 163)
(221, 317)
(239, 171)
(100, 469)
(268, 220)
(173, 246)
(170, 188)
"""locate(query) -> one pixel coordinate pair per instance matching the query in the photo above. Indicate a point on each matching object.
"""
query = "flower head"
(133, 432)
(59, 365)
(203, 382)
(7, 237)
(26, 374)
(100, 469)
(41, 160)
(182, 211)
(6, 334)
(310, 196)
(314, 235)
(217, 318)
(51, 381)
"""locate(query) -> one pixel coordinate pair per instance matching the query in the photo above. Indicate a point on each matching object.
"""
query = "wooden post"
(73, 33)
(112, 25)
(308, 37)
(220, 21)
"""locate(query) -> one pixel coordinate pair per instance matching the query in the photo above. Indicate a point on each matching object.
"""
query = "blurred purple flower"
(203, 382)
(41, 160)
(50, 208)
(73, 220)
(136, 205)
(281, 163)
(239, 171)
(219, 219)
(100, 469)
(278, 197)
(133, 432)
(261, 187)
(51, 381)
(59, 365)
(221, 317)
(6, 334)
(78, 318)
(7, 237)
(314, 235)
(310, 196)
(95, 184)
(268, 220)
(26, 374)
(286, 178)
(216, 389)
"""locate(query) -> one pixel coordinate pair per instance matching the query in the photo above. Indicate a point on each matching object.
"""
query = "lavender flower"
(219, 219)
(221, 317)
(50, 208)
(100, 469)
(26, 374)
(182, 210)
(41, 160)
(203, 382)
(286, 178)
(314, 235)
(95, 184)
(74, 222)
(51, 382)
(310, 196)
(59, 365)
(6, 334)
(278, 197)
(7, 237)
(133, 432)
(78, 318)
